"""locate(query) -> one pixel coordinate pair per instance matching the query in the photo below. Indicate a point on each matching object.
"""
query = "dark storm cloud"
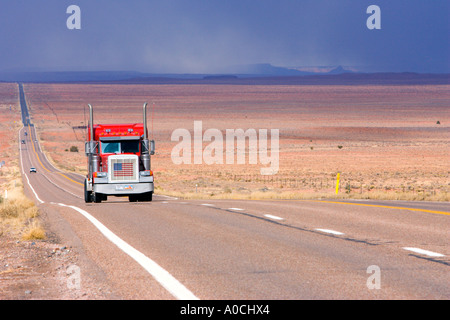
(208, 36)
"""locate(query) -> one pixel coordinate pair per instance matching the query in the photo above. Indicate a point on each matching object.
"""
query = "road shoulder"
(48, 269)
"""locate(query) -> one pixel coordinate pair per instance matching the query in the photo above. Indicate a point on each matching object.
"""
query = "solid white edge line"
(425, 252)
(46, 177)
(273, 217)
(23, 172)
(20, 149)
(330, 231)
(171, 284)
(35, 194)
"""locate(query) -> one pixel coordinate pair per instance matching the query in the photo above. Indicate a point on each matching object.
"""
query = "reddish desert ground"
(10, 123)
(387, 142)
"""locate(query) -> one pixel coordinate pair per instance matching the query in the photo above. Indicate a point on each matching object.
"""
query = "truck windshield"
(120, 147)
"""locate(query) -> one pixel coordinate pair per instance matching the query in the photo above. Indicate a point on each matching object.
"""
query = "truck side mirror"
(90, 147)
(152, 147)
(87, 149)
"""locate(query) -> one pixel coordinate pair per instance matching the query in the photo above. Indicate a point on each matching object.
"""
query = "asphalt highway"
(234, 249)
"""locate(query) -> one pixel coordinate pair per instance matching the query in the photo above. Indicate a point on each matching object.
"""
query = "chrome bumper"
(119, 189)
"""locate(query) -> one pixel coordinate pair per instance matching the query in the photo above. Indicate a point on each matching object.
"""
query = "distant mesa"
(220, 77)
(265, 69)
(339, 70)
(262, 73)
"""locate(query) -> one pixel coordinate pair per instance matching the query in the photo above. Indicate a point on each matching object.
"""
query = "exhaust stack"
(145, 121)
(91, 122)
(145, 155)
(91, 145)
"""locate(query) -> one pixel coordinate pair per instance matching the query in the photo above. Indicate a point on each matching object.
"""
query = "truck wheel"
(97, 197)
(144, 197)
(132, 198)
(87, 194)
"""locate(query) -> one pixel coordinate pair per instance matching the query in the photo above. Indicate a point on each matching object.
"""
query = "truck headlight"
(146, 173)
(100, 174)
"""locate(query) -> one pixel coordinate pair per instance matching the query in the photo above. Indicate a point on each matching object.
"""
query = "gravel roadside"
(45, 270)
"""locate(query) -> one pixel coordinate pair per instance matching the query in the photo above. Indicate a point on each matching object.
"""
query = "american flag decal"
(123, 169)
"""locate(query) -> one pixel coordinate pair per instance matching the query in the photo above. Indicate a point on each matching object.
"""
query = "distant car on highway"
(23, 141)
(32, 169)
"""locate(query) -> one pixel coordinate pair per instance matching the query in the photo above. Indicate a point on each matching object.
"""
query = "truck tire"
(147, 196)
(87, 194)
(141, 197)
(97, 197)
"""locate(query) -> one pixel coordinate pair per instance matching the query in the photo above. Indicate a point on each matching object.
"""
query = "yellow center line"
(70, 179)
(350, 203)
(34, 150)
(383, 206)
(37, 156)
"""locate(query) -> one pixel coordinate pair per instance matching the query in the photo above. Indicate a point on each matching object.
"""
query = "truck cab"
(119, 161)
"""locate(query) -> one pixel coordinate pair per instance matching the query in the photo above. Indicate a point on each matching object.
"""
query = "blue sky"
(201, 36)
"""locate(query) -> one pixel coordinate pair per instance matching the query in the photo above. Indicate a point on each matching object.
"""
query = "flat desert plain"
(386, 142)
(10, 123)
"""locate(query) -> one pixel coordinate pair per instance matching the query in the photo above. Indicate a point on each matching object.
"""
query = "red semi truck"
(118, 161)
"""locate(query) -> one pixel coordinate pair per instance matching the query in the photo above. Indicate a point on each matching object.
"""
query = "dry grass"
(19, 216)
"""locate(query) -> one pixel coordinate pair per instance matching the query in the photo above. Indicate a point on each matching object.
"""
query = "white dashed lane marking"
(424, 252)
(330, 231)
(273, 217)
